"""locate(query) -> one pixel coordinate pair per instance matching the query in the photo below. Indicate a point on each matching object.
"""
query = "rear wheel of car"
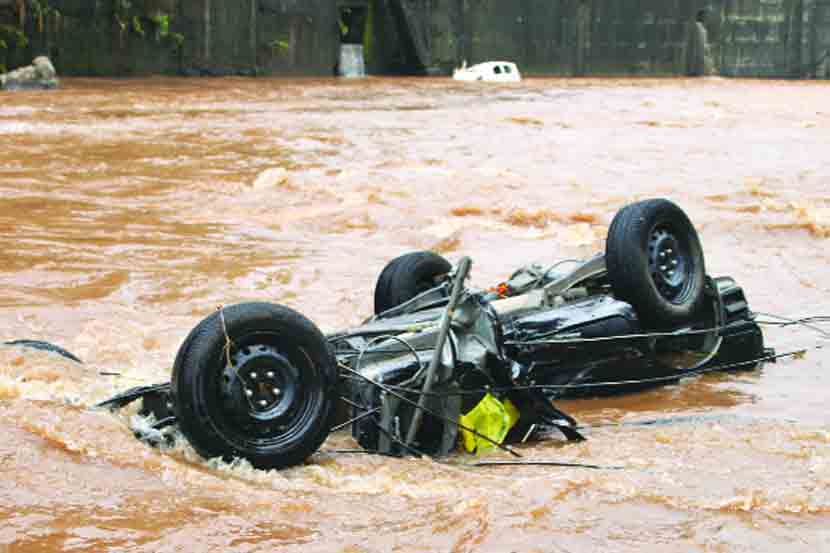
(255, 381)
(655, 262)
(407, 276)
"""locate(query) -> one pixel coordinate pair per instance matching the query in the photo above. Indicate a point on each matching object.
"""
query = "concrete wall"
(271, 36)
(818, 40)
(774, 37)
(571, 37)
(89, 37)
(769, 38)
(761, 38)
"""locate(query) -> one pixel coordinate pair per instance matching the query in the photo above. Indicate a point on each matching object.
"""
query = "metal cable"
(804, 321)
(358, 418)
(386, 337)
(617, 383)
(540, 463)
(675, 334)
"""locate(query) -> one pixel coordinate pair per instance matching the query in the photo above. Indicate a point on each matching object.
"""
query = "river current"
(131, 209)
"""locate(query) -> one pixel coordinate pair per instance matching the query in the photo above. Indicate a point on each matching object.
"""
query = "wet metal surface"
(131, 209)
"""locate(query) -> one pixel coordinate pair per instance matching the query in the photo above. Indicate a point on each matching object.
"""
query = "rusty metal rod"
(446, 320)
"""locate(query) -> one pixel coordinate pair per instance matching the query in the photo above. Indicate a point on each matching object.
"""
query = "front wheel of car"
(255, 381)
(406, 276)
(655, 262)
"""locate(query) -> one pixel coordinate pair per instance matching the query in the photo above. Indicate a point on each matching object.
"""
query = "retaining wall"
(763, 38)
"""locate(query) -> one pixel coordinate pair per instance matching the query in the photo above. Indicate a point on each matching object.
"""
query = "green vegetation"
(162, 24)
(139, 24)
(137, 27)
(278, 45)
(161, 30)
(177, 40)
(78, 32)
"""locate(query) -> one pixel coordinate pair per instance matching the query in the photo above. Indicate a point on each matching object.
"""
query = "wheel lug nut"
(277, 392)
(671, 273)
(253, 376)
(674, 263)
(663, 255)
(270, 374)
(669, 251)
(663, 267)
(263, 403)
(249, 392)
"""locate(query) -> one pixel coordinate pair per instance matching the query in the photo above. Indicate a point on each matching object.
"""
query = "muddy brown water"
(129, 210)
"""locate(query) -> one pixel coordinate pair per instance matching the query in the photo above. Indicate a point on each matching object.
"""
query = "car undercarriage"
(441, 363)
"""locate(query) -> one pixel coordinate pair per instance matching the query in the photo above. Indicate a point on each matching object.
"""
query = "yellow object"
(491, 418)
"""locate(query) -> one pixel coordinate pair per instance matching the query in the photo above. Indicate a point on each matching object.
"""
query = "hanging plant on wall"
(161, 30)
(147, 17)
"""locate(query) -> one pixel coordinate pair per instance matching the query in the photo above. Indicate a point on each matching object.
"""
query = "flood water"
(129, 210)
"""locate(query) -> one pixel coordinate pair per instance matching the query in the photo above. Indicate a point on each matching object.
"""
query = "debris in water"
(42, 346)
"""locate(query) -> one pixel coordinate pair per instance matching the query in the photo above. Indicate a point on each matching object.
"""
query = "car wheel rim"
(268, 393)
(261, 382)
(670, 264)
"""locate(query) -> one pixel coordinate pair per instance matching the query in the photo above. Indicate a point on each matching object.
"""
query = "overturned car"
(261, 382)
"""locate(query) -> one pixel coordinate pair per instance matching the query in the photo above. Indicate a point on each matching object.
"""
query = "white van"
(491, 71)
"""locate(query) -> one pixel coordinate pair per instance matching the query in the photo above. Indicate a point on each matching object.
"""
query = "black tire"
(655, 262)
(407, 276)
(285, 362)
